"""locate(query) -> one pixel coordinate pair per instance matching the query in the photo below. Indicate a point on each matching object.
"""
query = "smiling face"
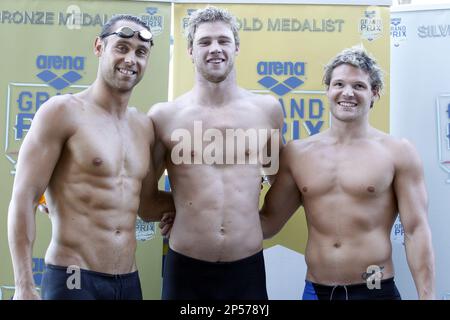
(213, 51)
(350, 94)
(122, 60)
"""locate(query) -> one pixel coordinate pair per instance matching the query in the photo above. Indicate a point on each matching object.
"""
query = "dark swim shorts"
(187, 278)
(59, 284)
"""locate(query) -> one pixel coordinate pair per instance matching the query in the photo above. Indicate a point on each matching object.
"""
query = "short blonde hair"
(211, 14)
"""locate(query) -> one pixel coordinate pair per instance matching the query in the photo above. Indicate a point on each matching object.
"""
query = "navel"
(371, 189)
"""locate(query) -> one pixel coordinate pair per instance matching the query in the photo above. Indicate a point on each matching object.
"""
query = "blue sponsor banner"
(304, 110)
(54, 75)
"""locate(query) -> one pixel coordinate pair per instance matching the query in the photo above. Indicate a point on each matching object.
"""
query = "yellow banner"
(48, 50)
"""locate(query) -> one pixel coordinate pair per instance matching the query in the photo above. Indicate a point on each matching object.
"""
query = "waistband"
(253, 258)
(354, 285)
(94, 273)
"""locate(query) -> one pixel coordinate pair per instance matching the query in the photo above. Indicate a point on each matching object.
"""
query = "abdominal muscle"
(348, 260)
(93, 226)
(217, 217)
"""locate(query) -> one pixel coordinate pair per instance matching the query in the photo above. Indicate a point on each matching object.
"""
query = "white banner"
(420, 112)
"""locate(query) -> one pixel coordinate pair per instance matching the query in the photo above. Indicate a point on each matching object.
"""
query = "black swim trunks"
(387, 291)
(187, 278)
(59, 284)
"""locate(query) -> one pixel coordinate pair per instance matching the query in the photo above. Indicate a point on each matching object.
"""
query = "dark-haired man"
(95, 157)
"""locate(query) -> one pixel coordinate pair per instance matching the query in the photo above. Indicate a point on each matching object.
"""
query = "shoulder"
(58, 104)
(299, 150)
(58, 110)
(56, 118)
(160, 115)
(403, 152)
(295, 148)
(312, 143)
(395, 145)
(265, 101)
(139, 119)
(159, 109)
(162, 110)
(268, 105)
(292, 153)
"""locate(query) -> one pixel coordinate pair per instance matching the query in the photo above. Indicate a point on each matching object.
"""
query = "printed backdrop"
(420, 112)
(48, 50)
(283, 51)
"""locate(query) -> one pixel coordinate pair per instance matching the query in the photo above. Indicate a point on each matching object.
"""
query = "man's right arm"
(153, 202)
(38, 156)
(283, 197)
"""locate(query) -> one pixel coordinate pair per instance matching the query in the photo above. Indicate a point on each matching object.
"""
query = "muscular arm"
(275, 143)
(38, 156)
(282, 199)
(412, 204)
(153, 202)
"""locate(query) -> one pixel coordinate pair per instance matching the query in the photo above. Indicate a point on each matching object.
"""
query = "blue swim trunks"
(387, 291)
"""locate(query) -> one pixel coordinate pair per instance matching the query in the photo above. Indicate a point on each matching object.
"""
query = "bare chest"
(218, 137)
(109, 150)
(359, 172)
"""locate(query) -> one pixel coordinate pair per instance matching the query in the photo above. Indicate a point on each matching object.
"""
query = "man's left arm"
(275, 143)
(412, 203)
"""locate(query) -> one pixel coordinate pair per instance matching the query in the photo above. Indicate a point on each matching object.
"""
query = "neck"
(346, 131)
(208, 93)
(111, 100)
